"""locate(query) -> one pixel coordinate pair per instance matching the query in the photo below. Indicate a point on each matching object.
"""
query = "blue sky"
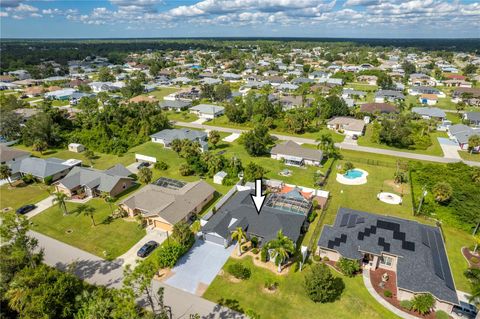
(243, 18)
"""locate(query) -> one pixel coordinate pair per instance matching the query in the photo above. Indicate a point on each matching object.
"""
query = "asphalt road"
(346, 146)
(98, 271)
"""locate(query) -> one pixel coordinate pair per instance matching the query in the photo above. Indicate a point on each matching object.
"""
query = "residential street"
(96, 270)
(347, 146)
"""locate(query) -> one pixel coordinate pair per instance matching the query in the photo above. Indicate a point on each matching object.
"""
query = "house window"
(387, 261)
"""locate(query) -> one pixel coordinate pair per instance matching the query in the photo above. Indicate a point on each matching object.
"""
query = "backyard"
(290, 300)
(109, 239)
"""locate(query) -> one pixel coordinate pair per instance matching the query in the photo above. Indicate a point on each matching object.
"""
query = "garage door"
(215, 239)
(163, 226)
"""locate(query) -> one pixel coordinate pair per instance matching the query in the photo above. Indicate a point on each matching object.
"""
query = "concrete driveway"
(133, 167)
(130, 257)
(41, 206)
(196, 270)
(450, 148)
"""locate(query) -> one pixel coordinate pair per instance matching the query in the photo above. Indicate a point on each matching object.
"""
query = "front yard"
(290, 300)
(16, 197)
(469, 156)
(109, 239)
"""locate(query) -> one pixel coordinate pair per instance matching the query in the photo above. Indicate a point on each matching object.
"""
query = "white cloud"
(3, 14)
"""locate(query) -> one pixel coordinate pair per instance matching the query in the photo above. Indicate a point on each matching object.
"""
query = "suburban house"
(378, 108)
(461, 133)
(295, 155)
(429, 99)
(419, 79)
(346, 125)
(207, 111)
(421, 90)
(428, 113)
(167, 136)
(388, 95)
(411, 252)
(168, 201)
(175, 105)
(472, 117)
(470, 96)
(63, 94)
(351, 93)
(10, 155)
(46, 169)
(281, 211)
(94, 182)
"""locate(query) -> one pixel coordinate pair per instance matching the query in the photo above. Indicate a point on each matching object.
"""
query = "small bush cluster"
(239, 271)
(161, 165)
(387, 293)
(270, 284)
(263, 255)
(317, 258)
(255, 251)
(474, 260)
(348, 267)
(441, 315)
(406, 304)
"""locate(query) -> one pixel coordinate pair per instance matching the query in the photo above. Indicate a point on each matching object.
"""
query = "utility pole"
(424, 193)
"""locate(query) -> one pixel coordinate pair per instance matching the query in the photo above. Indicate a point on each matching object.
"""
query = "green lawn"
(60, 103)
(106, 240)
(311, 132)
(184, 116)
(16, 197)
(362, 87)
(102, 161)
(290, 300)
(469, 157)
(455, 118)
(434, 149)
(160, 93)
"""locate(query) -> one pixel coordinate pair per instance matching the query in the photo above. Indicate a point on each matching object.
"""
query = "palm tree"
(473, 275)
(144, 175)
(473, 142)
(6, 173)
(283, 248)
(60, 199)
(442, 192)
(86, 211)
(326, 144)
(239, 235)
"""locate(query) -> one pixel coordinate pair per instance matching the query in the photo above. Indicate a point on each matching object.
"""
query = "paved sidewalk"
(41, 206)
(301, 140)
(371, 290)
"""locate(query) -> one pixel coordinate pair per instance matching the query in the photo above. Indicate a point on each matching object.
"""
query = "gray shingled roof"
(462, 132)
(170, 204)
(169, 135)
(429, 111)
(390, 93)
(39, 167)
(422, 265)
(104, 181)
(175, 104)
(208, 109)
(293, 149)
(240, 211)
(7, 153)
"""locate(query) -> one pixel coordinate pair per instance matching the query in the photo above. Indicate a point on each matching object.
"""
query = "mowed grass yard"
(16, 197)
(434, 149)
(183, 116)
(290, 300)
(109, 239)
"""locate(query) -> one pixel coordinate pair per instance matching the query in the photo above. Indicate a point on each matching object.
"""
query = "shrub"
(263, 255)
(161, 165)
(423, 303)
(475, 260)
(270, 284)
(440, 314)
(312, 216)
(255, 251)
(185, 170)
(28, 178)
(244, 248)
(348, 267)
(348, 166)
(317, 258)
(321, 286)
(239, 271)
(388, 294)
(167, 256)
(326, 258)
(406, 304)
(254, 241)
(48, 180)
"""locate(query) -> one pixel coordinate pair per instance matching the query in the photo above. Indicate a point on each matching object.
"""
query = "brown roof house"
(168, 201)
(346, 125)
(295, 155)
(378, 107)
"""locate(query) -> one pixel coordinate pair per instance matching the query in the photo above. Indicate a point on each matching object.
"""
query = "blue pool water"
(353, 173)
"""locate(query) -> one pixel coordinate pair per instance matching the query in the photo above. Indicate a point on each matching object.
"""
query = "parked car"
(25, 209)
(355, 137)
(143, 164)
(147, 249)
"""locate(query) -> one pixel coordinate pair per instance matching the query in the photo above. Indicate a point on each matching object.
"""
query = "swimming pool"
(353, 174)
